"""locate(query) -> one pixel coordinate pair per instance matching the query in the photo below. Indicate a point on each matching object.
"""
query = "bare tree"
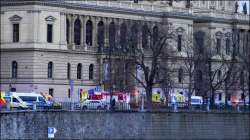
(149, 58)
(218, 68)
(243, 39)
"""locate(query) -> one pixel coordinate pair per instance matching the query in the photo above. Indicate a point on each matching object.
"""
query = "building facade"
(48, 46)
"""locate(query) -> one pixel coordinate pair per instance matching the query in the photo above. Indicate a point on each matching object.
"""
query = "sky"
(241, 2)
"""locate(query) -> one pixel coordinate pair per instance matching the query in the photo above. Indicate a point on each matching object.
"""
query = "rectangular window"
(218, 46)
(69, 93)
(220, 96)
(51, 92)
(179, 42)
(15, 32)
(49, 33)
(227, 46)
(68, 71)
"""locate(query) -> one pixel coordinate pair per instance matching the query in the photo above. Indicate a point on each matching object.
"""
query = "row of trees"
(206, 68)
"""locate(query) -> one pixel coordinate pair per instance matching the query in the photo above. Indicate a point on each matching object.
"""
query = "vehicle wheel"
(84, 108)
(99, 107)
(105, 107)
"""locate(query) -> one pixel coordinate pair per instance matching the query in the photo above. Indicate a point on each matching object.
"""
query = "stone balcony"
(156, 8)
(229, 15)
(135, 6)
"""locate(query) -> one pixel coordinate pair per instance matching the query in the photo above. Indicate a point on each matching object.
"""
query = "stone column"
(117, 36)
(140, 24)
(72, 31)
(106, 34)
(84, 19)
(82, 31)
(94, 41)
(63, 27)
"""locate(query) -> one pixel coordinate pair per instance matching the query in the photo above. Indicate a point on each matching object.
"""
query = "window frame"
(49, 33)
(16, 32)
(68, 71)
(79, 71)
(14, 69)
(91, 71)
(179, 43)
(50, 70)
(89, 33)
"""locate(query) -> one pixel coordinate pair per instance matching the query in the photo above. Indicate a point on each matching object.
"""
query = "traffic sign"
(51, 132)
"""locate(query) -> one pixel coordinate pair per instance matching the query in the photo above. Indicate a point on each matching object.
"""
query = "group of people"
(2, 101)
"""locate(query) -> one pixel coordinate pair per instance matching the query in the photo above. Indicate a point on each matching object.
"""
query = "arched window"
(79, 71)
(134, 36)
(68, 71)
(100, 35)
(89, 32)
(77, 31)
(50, 69)
(179, 42)
(227, 46)
(145, 32)
(112, 32)
(91, 71)
(14, 69)
(67, 30)
(123, 35)
(180, 75)
(155, 35)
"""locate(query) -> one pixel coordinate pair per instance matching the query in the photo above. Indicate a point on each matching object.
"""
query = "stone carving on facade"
(236, 7)
(228, 34)
(245, 8)
(212, 5)
(50, 18)
(188, 5)
(180, 30)
(15, 18)
(219, 34)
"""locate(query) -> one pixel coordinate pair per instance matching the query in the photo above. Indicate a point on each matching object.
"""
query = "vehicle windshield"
(41, 99)
(28, 98)
(195, 100)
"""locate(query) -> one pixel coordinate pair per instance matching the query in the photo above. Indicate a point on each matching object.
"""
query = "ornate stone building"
(47, 44)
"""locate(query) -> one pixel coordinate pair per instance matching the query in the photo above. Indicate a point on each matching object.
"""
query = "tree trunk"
(226, 94)
(149, 98)
(249, 87)
(189, 91)
(212, 98)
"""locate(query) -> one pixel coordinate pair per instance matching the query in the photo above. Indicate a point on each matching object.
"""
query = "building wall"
(33, 52)
(125, 125)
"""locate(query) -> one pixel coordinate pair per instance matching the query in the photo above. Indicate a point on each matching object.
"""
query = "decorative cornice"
(219, 34)
(15, 18)
(180, 30)
(33, 11)
(50, 18)
(181, 15)
(228, 34)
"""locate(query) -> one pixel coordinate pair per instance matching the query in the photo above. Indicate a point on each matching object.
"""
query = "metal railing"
(97, 105)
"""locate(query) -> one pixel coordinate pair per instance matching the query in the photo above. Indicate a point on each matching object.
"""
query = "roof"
(25, 94)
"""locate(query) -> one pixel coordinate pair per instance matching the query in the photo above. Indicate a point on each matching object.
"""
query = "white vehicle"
(93, 104)
(16, 101)
(31, 98)
(196, 100)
